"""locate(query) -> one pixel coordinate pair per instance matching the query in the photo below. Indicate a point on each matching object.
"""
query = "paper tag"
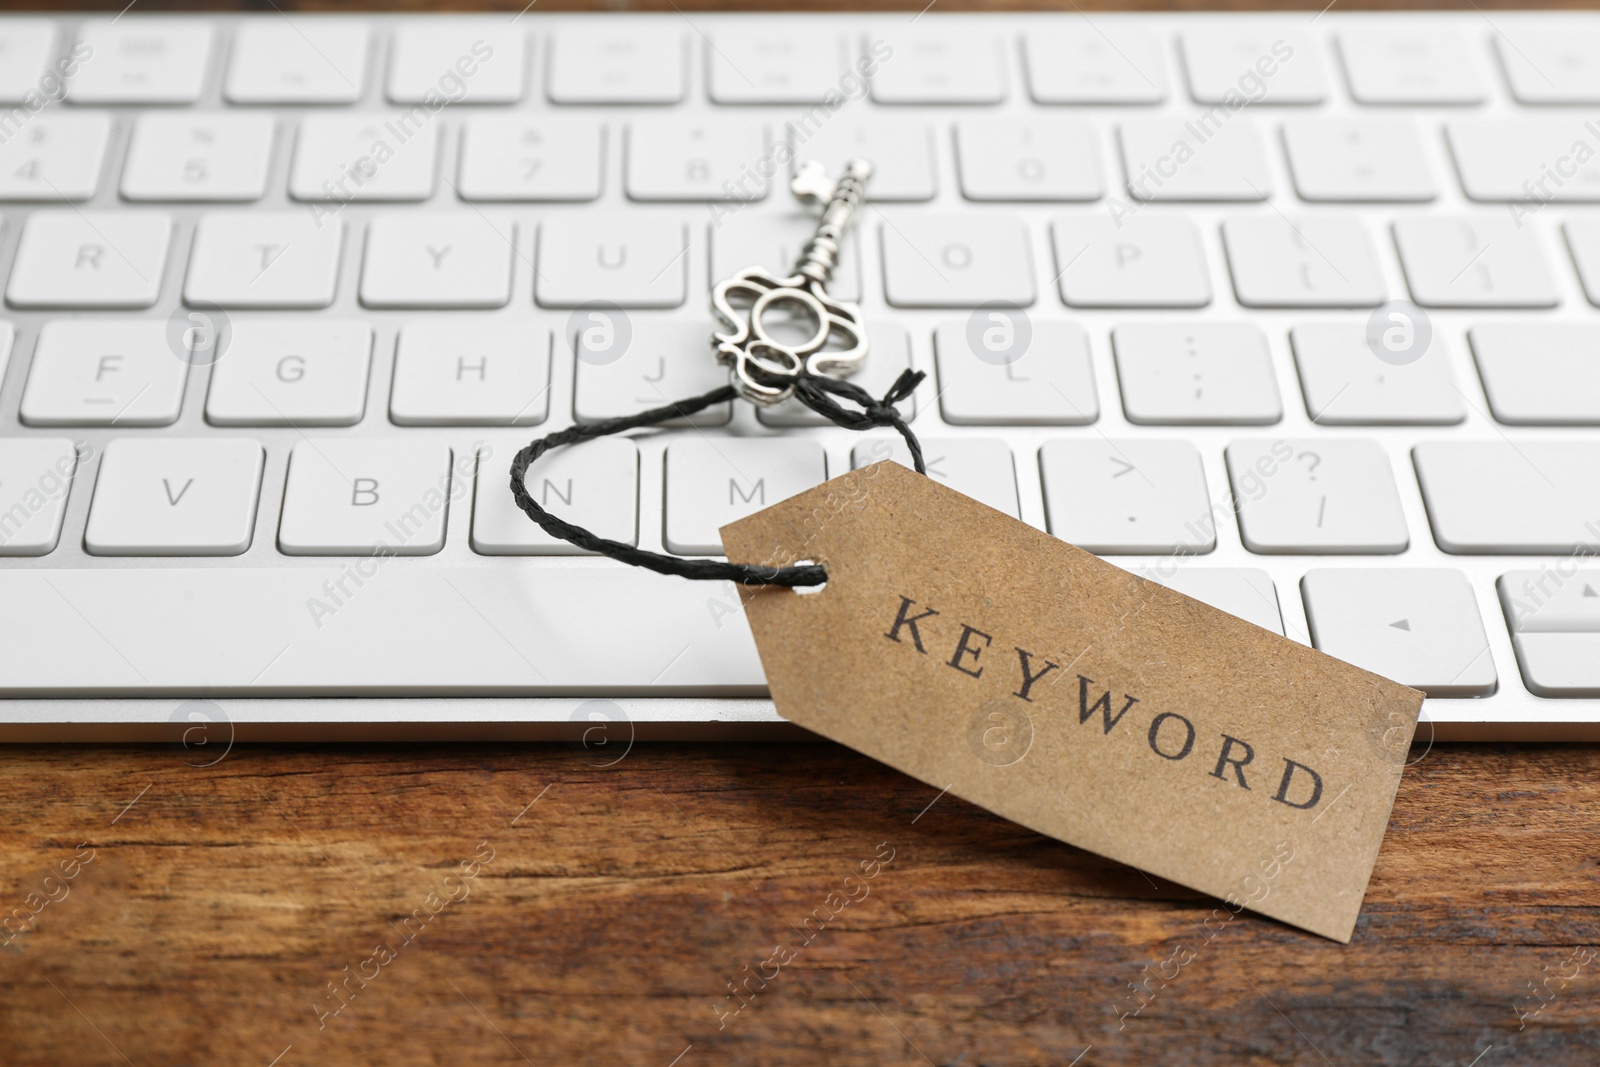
(978, 654)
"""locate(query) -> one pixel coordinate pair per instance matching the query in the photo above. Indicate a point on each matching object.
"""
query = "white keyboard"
(283, 295)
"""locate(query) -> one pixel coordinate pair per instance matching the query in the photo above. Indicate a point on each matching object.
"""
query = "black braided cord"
(815, 392)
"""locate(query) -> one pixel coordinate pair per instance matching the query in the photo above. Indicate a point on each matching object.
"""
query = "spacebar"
(294, 631)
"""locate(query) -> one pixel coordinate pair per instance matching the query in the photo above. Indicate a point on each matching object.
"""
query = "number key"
(198, 156)
(518, 157)
(696, 160)
(1038, 159)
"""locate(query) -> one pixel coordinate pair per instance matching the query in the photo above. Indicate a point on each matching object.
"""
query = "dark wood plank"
(615, 911)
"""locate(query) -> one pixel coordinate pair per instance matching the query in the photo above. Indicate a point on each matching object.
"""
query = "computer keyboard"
(1295, 313)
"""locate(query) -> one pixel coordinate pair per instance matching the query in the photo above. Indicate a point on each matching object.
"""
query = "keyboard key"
(1357, 159)
(978, 467)
(888, 357)
(463, 61)
(1346, 384)
(1043, 158)
(696, 159)
(1305, 497)
(141, 61)
(8, 334)
(629, 260)
(1512, 498)
(594, 485)
(458, 259)
(1252, 61)
(1559, 665)
(1243, 592)
(1127, 497)
(175, 497)
(1398, 66)
(1540, 373)
(297, 61)
(1529, 160)
(90, 259)
(26, 48)
(775, 61)
(35, 478)
(661, 363)
(373, 497)
(198, 156)
(104, 372)
(1473, 262)
(530, 157)
(1006, 372)
(371, 156)
(938, 65)
(1166, 159)
(901, 152)
(948, 259)
(760, 239)
(1546, 65)
(1314, 261)
(1195, 374)
(606, 63)
(1551, 601)
(54, 157)
(1094, 65)
(485, 372)
(1149, 261)
(283, 372)
(1419, 627)
(264, 259)
(712, 481)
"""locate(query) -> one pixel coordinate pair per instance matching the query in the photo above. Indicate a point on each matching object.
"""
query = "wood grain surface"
(608, 908)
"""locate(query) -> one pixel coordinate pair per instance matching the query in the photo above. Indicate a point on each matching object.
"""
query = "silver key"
(35, 478)
(1512, 498)
(1043, 158)
(631, 261)
(745, 237)
(175, 497)
(978, 467)
(1000, 368)
(1315, 261)
(1346, 384)
(889, 355)
(104, 372)
(1357, 159)
(1128, 497)
(1195, 374)
(1301, 497)
(946, 259)
(1540, 373)
(1148, 261)
(595, 486)
(712, 481)
(1473, 262)
(901, 152)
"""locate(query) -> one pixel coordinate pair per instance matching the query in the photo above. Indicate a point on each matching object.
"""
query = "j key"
(1496, 160)
(1148, 261)
(1540, 373)
(35, 478)
(104, 372)
(27, 47)
(175, 497)
(888, 358)
(1395, 66)
(1242, 592)
(696, 159)
(1082, 65)
(747, 238)
(1127, 497)
(767, 62)
(998, 368)
(462, 61)
(711, 481)
(1512, 498)
(372, 156)
(623, 369)
(935, 65)
(1315, 261)
(54, 157)
(1043, 158)
(977, 466)
(198, 156)
(1225, 162)
(1346, 384)
(1357, 159)
(297, 61)
(1263, 65)
(901, 152)
(357, 498)
(1195, 374)
(956, 260)
(288, 373)
(459, 259)
(611, 65)
(1473, 262)
(1322, 496)
(271, 259)
(530, 157)
(1419, 627)
(1548, 67)
(141, 62)
(474, 372)
(90, 259)
(1555, 628)
(626, 260)
(595, 488)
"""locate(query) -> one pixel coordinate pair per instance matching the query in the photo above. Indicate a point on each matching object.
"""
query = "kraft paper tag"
(976, 653)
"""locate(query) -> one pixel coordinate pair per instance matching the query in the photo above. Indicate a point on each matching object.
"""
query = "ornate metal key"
(765, 368)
